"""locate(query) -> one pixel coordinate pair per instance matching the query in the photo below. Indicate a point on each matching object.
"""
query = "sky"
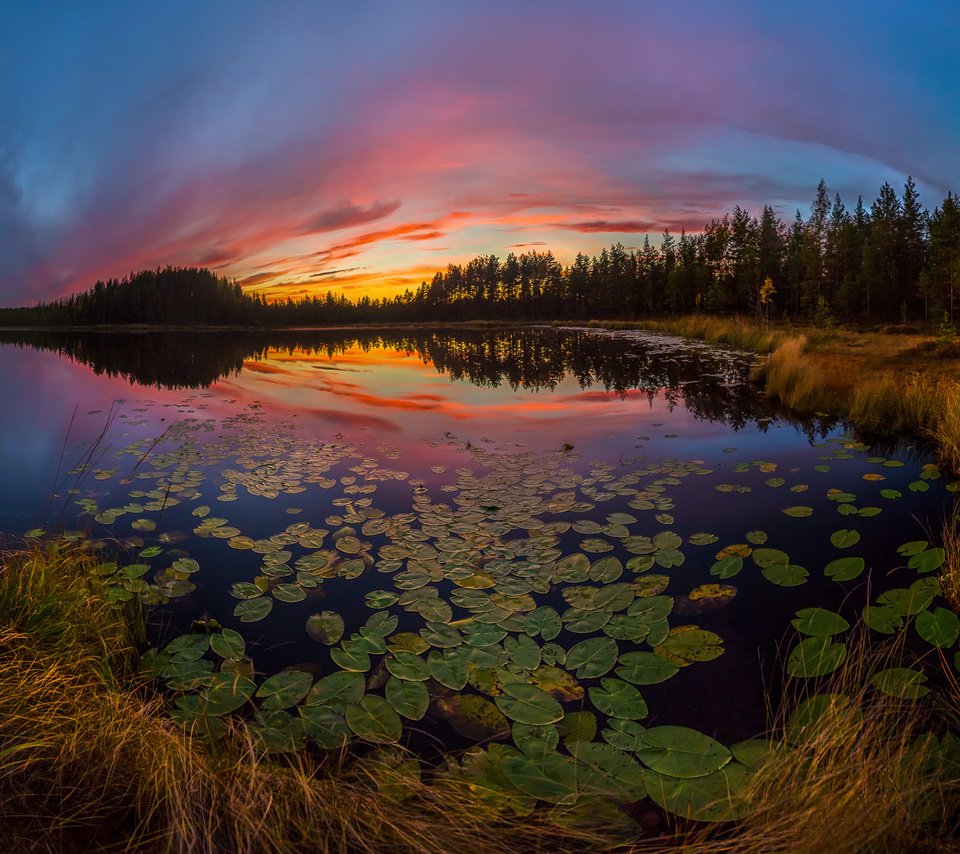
(303, 146)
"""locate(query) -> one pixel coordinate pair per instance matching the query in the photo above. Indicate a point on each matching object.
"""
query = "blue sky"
(362, 146)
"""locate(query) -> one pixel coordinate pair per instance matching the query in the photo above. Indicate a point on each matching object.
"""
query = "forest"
(895, 262)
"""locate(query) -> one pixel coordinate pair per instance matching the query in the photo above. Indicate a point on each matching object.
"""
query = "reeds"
(89, 757)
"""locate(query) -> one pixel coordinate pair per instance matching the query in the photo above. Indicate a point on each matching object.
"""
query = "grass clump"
(89, 757)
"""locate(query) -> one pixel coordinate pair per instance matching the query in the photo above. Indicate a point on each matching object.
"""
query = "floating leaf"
(844, 568)
(326, 627)
(409, 699)
(528, 704)
(473, 717)
(882, 618)
(618, 699)
(593, 657)
(939, 627)
(374, 720)
(284, 689)
(544, 621)
(765, 557)
(551, 778)
(901, 682)
(819, 622)
(728, 567)
(681, 752)
(844, 538)
(928, 560)
(645, 668)
(799, 511)
(228, 644)
(449, 667)
(337, 689)
(578, 726)
(224, 693)
(252, 610)
(713, 797)
(289, 593)
(686, 644)
(815, 656)
(406, 665)
(325, 726)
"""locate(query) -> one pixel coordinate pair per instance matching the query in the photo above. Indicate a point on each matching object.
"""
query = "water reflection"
(709, 382)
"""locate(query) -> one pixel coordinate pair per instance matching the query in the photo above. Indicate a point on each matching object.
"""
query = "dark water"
(461, 446)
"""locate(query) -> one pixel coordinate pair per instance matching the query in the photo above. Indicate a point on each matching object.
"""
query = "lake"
(558, 539)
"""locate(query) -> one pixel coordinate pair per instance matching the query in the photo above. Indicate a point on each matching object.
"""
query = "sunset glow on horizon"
(306, 148)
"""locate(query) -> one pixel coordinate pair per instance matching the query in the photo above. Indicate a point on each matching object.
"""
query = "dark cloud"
(346, 216)
(626, 226)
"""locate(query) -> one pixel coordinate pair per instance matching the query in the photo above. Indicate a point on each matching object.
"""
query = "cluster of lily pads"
(522, 613)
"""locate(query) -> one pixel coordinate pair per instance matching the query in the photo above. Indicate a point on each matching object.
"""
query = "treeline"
(895, 261)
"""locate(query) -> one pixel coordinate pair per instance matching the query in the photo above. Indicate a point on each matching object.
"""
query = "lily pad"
(284, 689)
(646, 668)
(681, 752)
(845, 568)
(326, 627)
(252, 610)
(713, 797)
(687, 644)
(819, 622)
(939, 627)
(844, 538)
(593, 657)
(409, 699)
(618, 699)
(374, 720)
(904, 683)
(528, 704)
(815, 656)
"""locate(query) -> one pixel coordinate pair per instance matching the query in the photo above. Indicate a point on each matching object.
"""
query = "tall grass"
(866, 777)
(89, 757)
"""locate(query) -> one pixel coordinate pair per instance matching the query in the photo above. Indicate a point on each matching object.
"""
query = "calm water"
(469, 466)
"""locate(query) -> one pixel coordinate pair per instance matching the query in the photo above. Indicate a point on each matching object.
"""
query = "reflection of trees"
(708, 383)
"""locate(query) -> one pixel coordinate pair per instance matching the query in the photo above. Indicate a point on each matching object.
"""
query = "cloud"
(346, 216)
(623, 226)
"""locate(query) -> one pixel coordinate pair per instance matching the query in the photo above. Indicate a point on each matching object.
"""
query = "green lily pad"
(799, 511)
(528, 704)
(845, 568)
(785, 574)
(407, 666)
(686, 644)
(284, 690)
(928, 560)
(578, 726)
(551, 777)
(252, 610)
(338, 689)
(374, 720)
(544, 621)
(728, 567)
(449, 667)
(326, 726)
(326, 627)
(473, 717)
(593, 657)
(844, 538)
(914, 547)
(645, 668)
(289, 593)
(409, 699)
(225, 693)
(939, 627)
(228, 644)
(765, 558)
(713, 797)
(681, 752)
(815, 656)
(618, 699)
(819, 622)
(882, 618)
(903, 683)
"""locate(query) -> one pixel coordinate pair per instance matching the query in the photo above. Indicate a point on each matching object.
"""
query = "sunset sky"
(362, 146)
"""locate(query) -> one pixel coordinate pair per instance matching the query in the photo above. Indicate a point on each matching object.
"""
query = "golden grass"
(863, 780)
(89, 757)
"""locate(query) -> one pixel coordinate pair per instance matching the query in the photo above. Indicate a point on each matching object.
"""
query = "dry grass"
(866, 778)
(90, 759)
